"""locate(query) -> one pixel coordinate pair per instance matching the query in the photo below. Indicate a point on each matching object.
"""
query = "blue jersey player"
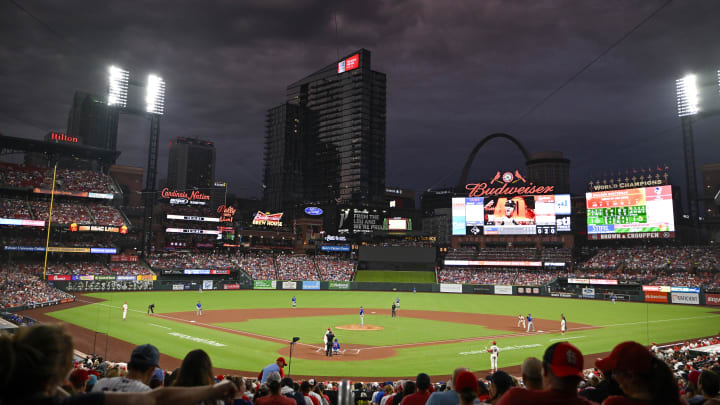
(294, 302)
(199, 309)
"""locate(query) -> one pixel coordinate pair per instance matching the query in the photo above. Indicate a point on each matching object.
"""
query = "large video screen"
(631, 213)
(521, 215)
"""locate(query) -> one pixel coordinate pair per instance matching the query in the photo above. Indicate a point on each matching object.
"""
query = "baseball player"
(521, 321)
(493, 350)
(199, 309)
(362, 317)
(530, 323)
(124, 307)
(393, 311)
(563, 325)
(397, 302)
(294, 302)
(613, 298)
(151, 309)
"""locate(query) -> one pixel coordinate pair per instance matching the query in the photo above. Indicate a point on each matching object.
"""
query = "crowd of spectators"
(187, 260)
(260, 266)
(63, 212)
(22, 176)
(106, 215)
(332, 268)
(21, 285)
(128, 268)
(14, 208)
(630, 374)
(495, 276)
(655, 258)
(296, 267)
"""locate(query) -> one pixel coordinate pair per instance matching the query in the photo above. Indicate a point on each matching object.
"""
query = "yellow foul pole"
(47, 240)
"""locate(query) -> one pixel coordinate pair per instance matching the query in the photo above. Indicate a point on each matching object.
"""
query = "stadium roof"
(62, 149)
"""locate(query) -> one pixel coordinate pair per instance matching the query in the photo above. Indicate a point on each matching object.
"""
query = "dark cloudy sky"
(456, 70)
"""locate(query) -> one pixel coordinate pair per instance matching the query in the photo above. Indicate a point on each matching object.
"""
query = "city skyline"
(454, 75)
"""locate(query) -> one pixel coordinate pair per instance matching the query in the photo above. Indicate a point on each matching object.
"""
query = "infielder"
(563, 325)
(199, 309)
(493, 350)
(151, 309)
(124, 307)
(530, 323)
(294, 301)
(397, 302)
(521, 321)
(362, 316)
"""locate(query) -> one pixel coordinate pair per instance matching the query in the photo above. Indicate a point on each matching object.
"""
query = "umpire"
(329, 342)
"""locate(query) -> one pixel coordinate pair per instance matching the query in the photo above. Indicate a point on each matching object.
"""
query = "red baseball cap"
(631, 356)
(564, 359)
(284, 363)
(464, 380)
(79, 376)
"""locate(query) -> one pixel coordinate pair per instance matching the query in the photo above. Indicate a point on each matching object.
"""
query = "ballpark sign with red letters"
(506, 184)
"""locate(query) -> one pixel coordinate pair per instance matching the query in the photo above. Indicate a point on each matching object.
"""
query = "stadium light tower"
(118, 80)
(155, 99)
(687, 106)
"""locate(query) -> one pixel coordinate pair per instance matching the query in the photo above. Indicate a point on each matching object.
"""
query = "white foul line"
(566, 338)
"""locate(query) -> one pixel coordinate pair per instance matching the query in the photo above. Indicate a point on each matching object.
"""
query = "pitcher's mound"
(358, 327)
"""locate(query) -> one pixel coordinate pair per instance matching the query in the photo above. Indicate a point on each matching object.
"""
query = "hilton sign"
(60, 137)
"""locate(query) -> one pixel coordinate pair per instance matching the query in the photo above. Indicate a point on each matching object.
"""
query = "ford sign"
(313, 211)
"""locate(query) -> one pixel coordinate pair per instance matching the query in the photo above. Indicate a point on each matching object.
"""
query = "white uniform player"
(124, 307)
(563, 325)
(493, 350)
(521, 321)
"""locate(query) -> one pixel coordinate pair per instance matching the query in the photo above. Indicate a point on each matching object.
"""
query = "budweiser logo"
(512, 184)
(263, 218)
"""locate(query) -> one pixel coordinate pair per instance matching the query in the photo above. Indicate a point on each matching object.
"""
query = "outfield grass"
(391, 276)
(644, 323)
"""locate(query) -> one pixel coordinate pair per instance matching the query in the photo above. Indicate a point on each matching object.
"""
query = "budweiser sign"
(193, 196)
(226, 213)
(266, 218)
(507, 183)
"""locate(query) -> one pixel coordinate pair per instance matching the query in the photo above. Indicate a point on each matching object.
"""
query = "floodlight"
(687, 96)
(155, 99)
(118, 86)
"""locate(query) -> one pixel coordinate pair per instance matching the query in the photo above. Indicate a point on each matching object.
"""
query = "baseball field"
(244, 331)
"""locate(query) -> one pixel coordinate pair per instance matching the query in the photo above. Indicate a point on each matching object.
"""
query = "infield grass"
(618, 322)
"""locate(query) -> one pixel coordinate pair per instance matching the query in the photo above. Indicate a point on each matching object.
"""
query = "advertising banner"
(25, 248)
(178, 287)
(492, 263)
(694, 290)
(588, 293)
(483, 289)
(147, 277)
(123, 258)
(451, 288)
(503, 289)
(655, 296)
(59, 278)
(231, 286)
(340, 248)
(126, 278)
(310, 285)
(103, 251)
(339, 285)
(712, 299)
(192, 218)
(21, 222)
(592, 281)
(685, 298)
(207, 284)
(289, 285)
(562, 295)
(104, 277)
(264, 284)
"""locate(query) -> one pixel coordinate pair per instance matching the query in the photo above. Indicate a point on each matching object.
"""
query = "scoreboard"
(635, 212)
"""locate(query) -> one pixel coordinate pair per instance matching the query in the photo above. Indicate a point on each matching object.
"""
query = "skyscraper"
(92, 122)
(191, 164)
(344, 107)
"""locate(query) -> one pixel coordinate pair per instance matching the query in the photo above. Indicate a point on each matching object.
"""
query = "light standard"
(687, 104)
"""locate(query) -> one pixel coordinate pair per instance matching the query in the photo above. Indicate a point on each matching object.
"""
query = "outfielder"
(199, 309)
(521, 321)
(362, 316)
(530, 323)
(124, 307)
(563, 325)
(294, 302)
(493, 350)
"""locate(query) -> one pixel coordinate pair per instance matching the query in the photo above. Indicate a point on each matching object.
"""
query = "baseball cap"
(694, 376)
(92, 380)
(631, 356)
(158, 375)
(284, 363)
(564, 359)
(494, 342)
(79, 376)
(467, 380)
(311, 382)
(274, 377)
(144, 355)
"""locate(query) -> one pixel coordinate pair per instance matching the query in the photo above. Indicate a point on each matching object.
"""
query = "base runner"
(521, 321)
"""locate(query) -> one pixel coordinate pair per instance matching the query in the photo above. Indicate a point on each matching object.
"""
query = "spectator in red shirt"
(562, 372)
(423, 391)
(275, 398)
(467, 387)
(644, 378)
(305, 388)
